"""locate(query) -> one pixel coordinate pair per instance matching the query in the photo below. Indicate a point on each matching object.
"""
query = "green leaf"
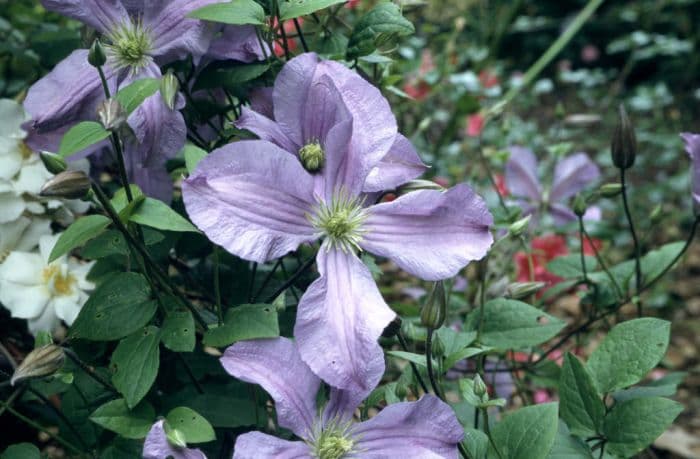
(120, 201)
(81, 136)
(527, 433)
(135, 362)
(418, 359)
(248, 321)
(195, 428)
(111, 242)
(21, 451)
(466, 389)
(229, 75)
(291, 9)
(77, 234)
(118, 307)
(629, 352)
(133, 95)
(511, 324)
(376, 27)
(569, 266)
(452, 359)
(193, 155)
(662, 387)
(476, 443)
(633, 425)
(117, 417)
(566, 446)
(178, 331)
(654, 262)
(580, 404)
(159, 215)
(238, 12)
(225, 411)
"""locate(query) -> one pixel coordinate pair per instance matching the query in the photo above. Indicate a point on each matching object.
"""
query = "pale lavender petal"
(400, 165)
(261, 101)
(102, 15)
(571, 175)
(266, 129)
(521, 174)
(275, 365)
(157, 446)
(239, 43)
(257, 445)
(426, 429)
(175, 35)
(692, 147)
(593, 214)
(290, 95)
(252, 198)
(562, 214)
(431, 234)
(342, 404)
(339, 320)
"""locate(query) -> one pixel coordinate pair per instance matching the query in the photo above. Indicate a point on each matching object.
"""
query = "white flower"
(40, 292)
(22, 234)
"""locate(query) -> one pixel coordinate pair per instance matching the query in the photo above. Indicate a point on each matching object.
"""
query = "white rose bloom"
(44, 293)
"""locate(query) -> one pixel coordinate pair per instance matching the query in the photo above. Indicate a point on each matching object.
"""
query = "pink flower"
(541, 396)
(475, 124)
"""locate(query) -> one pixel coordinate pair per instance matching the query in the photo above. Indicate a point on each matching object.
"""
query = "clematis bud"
(435, 308)
(42, 361)
(518, 290)
(624, 142)
(480, 389)
(312, 156)
(53, 163)
(580, 205)
(438, 346)
(610, 190)
(111, 114)
(169, 87)
(96, 55)
(68, 185)
(518, 228)
(419, 184)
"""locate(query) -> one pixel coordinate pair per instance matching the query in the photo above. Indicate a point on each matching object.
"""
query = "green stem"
(583, 257)
(404, 346)
(217, 287)
(301, 35)
(602, 263)
(637, 248)
(89, 371)
(429, 362)
(487, 431)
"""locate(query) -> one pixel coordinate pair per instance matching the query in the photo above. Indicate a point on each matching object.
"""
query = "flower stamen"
(340, 221)
(129, 46)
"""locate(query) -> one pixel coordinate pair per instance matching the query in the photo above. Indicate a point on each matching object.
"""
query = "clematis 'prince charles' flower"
(260, 202)
(139, 36)
(571, 175)
(424, 429)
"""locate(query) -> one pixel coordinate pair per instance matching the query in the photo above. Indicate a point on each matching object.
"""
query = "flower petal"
(342, 404)
(156, 446)
(431, 234)
(256, 445)
(251, 198)
(692, 147)
(275, 365)
(266, 129)
(47, 321)
(102, 15)
(571, 175)
(12, 206)
(339, 319)
(239, 43)
(426, 429)
(521, 174)
(400, 165)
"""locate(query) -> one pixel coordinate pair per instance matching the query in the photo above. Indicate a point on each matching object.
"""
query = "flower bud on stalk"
(68, 185)
(53, 163)
(624, 142)
(96, 55)
(610, 190)
(438, 346)
(42, 361)
(580, 205)
(518, 228)
(111, 114)
(434, 310)
(480, 389)
(169, 87)
(419, 184)
(518, 290)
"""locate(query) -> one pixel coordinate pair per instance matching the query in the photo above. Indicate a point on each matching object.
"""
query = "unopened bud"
(580, 205)
(419, 184)
(518, 290)
(111, 114)
(401, 391)
(393, 328)
(480, 389)
(42, 361)
(169, 87)
(610, 190)
(53, 163)
(518, 228)
(438, 346)
(176, 438)
(96, 55)
(624, 142)
(312, 156)
(68, 185)
(435, 308)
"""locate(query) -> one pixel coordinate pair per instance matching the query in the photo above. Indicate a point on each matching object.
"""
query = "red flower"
(591, 249)
(352, 4)
(544, 249)
(488, 79)
(475, 123)
(289, 29)
(501, 185)
(418, 90)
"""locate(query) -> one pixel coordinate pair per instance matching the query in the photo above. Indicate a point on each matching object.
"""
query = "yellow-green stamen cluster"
(332, 441)
(130, 45)
(340, 221)
(312, 156)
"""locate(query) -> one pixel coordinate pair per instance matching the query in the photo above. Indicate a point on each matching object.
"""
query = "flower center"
(58, 280)
(312, 156)
(25, 151)
(334, 448)
(340, 221)
(332, 441)
(130, 45)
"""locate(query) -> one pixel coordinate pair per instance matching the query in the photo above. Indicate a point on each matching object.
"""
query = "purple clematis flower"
(571, 175)
(692, 147)
(424, 429)
(157, 446)
(139, 36)
(260, 202)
